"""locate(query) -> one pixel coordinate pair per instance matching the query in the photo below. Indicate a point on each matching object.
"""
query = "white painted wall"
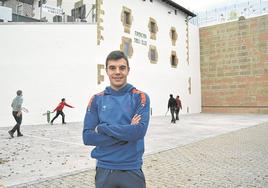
(52, 61)
(194, 99)
(48, 62)
(158, 80)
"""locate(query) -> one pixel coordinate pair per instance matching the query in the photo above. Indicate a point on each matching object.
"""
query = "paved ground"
(177, 156)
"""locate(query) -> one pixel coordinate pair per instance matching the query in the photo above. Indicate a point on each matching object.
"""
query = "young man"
(172, 105)
(59, 109)
(116, 122)
(17, 114)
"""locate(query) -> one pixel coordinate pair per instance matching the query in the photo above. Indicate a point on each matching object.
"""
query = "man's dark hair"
(63, 99)
(171, 96)
(116, 55)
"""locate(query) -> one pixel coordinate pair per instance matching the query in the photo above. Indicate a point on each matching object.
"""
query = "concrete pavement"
(176, 155)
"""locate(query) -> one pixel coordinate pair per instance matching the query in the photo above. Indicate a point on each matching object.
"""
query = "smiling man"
(116, 122)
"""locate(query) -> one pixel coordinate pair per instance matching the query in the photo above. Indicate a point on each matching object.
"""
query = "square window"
(126, 48)
(173, 34)
(153, 54)
(173, 60)
(127, 18)
(153, 27)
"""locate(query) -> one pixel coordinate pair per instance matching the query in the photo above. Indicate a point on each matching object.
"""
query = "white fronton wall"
(52, 61)
(194, 100)
(48, 62)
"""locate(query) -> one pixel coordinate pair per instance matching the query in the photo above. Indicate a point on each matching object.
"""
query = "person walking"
(59, 110)
(178, 107)
(116, 122)
(17, 114)
(172, 106)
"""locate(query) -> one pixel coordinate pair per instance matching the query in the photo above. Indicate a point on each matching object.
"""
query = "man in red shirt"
(59, 109)
(178, 107)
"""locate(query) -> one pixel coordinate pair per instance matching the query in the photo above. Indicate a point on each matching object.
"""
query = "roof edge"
(177, 6)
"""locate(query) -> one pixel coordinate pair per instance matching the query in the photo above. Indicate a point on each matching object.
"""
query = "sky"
(202, 5)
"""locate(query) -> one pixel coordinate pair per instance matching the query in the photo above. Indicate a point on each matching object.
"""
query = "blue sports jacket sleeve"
(130, 132)
(90, 137)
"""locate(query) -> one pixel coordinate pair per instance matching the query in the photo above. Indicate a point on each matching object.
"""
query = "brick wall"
(234, 66)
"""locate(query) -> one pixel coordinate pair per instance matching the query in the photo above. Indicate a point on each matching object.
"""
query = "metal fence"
(231, 13)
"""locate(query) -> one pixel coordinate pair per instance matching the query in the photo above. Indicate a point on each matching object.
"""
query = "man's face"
(117, 70)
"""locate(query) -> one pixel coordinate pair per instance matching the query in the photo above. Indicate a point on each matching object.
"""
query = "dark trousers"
(106, 178)
(177, 111)
(59, 113)
(18, 120)
(172, 111)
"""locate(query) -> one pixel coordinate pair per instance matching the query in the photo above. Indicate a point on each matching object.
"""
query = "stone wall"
(234, 66)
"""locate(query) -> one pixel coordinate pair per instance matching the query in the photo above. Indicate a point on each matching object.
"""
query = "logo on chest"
(104, 108)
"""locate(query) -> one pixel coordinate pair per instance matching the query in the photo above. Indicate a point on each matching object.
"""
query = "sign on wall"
(140, 38)
(51, 9)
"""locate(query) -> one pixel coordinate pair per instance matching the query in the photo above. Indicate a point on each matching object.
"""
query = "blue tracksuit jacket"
(119, 145)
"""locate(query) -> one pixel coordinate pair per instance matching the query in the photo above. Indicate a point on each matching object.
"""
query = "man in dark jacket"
(172, 106)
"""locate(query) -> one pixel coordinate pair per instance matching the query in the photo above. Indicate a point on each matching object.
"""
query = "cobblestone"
(236, 159)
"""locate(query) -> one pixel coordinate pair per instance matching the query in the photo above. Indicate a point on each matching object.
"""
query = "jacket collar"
(127, 88)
